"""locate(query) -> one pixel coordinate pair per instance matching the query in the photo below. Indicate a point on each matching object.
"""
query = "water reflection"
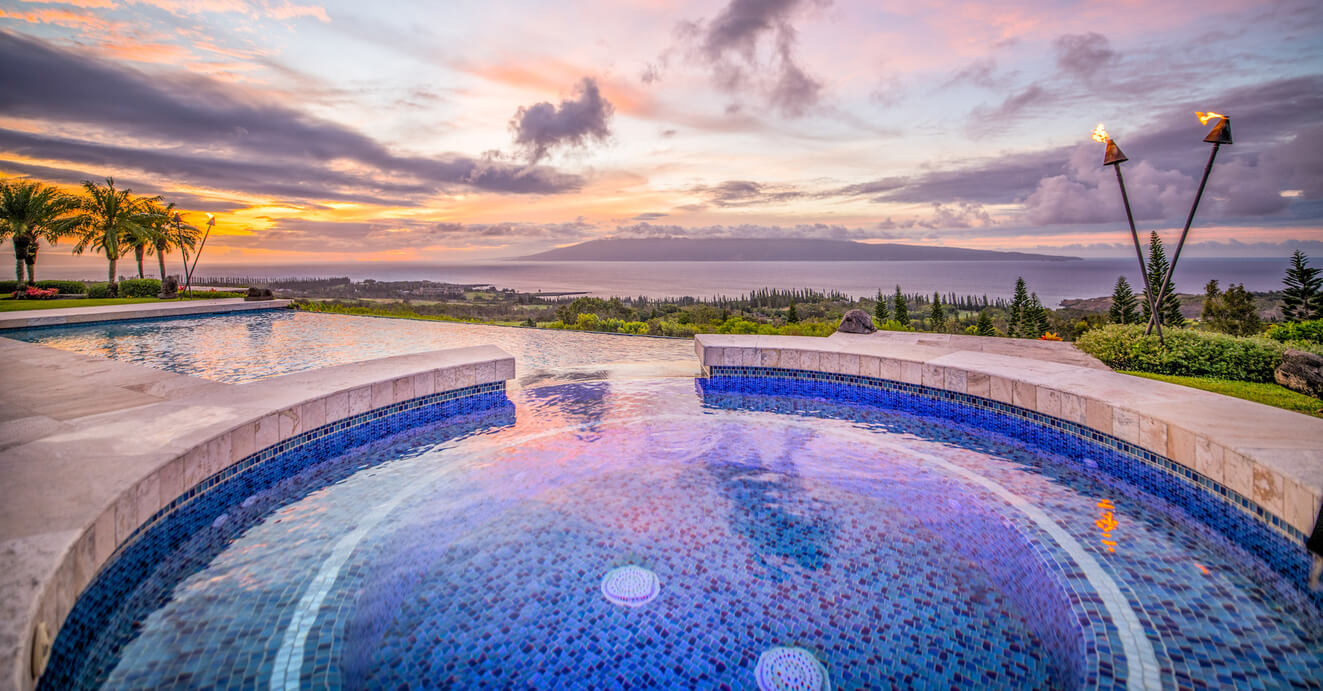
(786, 527)
(253, 346)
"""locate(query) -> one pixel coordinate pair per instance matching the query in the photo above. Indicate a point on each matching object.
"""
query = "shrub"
(8, 286)
(892, 325)
(102, 290)
(1297, 331)
(1187, 353)
(65, 287)
(139, 287)
(35, 293)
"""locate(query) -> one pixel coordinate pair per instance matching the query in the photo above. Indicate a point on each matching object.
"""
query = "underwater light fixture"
(790, 669)
(630, 586)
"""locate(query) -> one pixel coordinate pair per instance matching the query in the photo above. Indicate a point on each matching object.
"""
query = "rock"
(1301, 371)
(169, 289)
(856, 322)
(256, 293)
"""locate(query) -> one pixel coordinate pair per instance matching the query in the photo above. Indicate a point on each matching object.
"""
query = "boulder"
(856, 322)
(256, 293)
(169, 289)
(1301, 371)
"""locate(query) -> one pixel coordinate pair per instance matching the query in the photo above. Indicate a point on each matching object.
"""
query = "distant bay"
(1053, 281)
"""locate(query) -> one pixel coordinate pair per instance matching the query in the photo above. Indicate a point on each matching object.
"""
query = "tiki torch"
(1114, 158)
(1219, 135)
(188, 280)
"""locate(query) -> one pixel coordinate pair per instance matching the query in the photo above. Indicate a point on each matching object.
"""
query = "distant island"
(768, 250)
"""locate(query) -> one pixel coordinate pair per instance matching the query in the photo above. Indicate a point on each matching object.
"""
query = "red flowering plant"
(35, 293)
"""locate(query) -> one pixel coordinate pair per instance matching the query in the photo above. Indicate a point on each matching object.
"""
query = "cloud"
(737, 193)
(585, 117)
(729, 45)
(393, 234)
(944, 217)
(1083, 55)
(750, 230)
(212, 134)
(980, 73)
(1088, 193)
(1279, 146)
(1015, 106)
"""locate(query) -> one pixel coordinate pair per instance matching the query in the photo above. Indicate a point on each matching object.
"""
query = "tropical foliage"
(108, 221)
(30, 213)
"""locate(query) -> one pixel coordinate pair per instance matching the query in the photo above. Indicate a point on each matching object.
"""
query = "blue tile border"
(1249, 525)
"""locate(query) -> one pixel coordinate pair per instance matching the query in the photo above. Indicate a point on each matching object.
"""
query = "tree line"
(1231, 311)
(99, 218)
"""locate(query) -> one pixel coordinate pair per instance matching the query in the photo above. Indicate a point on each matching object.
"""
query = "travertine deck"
(90, 448)
(1273, 456)
(1047, 351)
(141, 310)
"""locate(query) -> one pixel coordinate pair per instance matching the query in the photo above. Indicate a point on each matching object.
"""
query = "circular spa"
(729, 532)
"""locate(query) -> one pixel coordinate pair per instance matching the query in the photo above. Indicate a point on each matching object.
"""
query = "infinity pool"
(252, 346)
(894, 547)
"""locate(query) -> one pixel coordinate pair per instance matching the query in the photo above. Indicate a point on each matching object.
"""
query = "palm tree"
(31, 212)
(152, 231)
(174, 234)
(106, 216)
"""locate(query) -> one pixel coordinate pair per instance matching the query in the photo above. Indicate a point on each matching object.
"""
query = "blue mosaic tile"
(775, 511)
(97, 626)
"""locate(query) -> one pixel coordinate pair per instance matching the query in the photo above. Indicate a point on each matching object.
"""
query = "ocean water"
(1053, 281)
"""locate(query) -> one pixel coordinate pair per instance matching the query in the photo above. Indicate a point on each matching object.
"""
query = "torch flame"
(1100, 134)
(1205, 117)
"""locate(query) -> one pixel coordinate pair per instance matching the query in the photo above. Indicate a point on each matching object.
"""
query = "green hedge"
(8, 286)
(1187, 353)
(101, 290)
(65, 287)
(139, 288)
(1311, 330)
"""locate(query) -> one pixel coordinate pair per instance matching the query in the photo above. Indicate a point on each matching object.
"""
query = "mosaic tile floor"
(463, 557)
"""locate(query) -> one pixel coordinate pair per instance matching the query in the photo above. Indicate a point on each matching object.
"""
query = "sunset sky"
(454, 131)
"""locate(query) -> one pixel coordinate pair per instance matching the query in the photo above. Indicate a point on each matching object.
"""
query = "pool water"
(237, 348)
(898, 549)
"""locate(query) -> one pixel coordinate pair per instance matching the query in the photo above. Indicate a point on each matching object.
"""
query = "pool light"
(630, 586)
(790, 669)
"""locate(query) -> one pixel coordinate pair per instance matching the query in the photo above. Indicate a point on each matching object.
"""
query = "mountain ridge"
(769, 249)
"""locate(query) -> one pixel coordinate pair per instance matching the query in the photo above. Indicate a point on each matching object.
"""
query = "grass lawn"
(1267, 394)
(8, 304)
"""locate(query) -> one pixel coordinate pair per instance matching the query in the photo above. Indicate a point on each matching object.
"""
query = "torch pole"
(189, 278)
(1166, 280)
(1134, 235)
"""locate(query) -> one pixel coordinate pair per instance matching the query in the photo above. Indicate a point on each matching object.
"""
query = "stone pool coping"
(1272, 456)
(91, 448)
(141, 310)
